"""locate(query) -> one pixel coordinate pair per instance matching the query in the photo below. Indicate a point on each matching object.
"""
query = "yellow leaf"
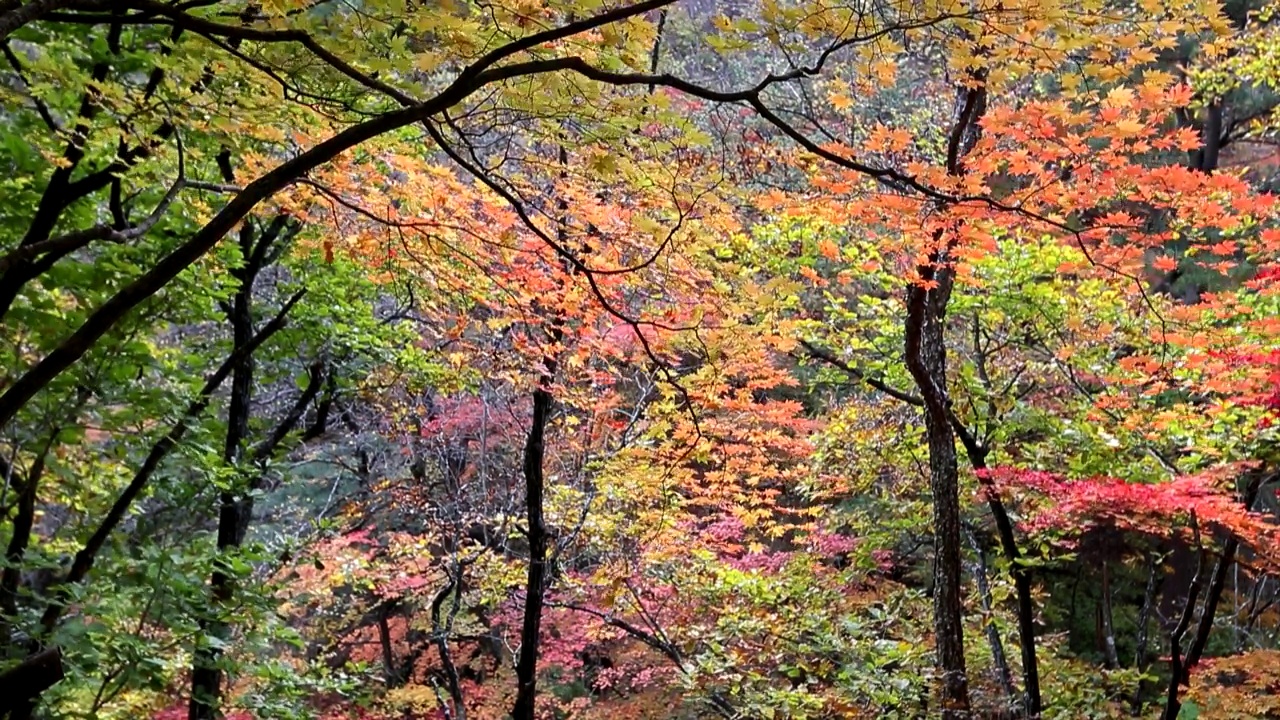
(1129, 128)
(1121, 97)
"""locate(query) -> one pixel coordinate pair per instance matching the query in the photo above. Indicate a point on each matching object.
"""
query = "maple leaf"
(1119, 97)
(1127, 128)
(1226, 247)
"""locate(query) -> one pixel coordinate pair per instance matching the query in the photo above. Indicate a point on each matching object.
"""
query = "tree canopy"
(664, 359)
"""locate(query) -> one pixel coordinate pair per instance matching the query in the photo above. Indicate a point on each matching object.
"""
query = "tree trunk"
(389, 674)
(1177, 667)
(944, 483)
(1108, 627)
(998, 657)
(259, 248)
(925, 352)
(23, 683)
(534, 451)
(1206, 158)
(1021, 583)
(233, 512)
(20, 538)
(1144, 622)
(441, 629)
(1218, 581)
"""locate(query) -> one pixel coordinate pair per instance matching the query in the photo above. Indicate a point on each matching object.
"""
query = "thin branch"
(826, 356)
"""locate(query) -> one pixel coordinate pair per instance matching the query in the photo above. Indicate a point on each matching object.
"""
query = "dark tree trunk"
(1025, 605)
(87, 555)
(925, 352)
(1177, 666)
(1206, 158)
(1144, 622)
(389, 673)
(534, 459)
(234, 511)
(23, 683)
(977, 454)
(1218, 581)
(535, 584)
(259, 248)
(1021, 582)
(1180, 665)
(58, 194)
(926, 359)
(441, 629)
(19, 539)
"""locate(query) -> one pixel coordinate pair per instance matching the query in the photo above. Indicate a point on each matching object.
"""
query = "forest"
(639, 359)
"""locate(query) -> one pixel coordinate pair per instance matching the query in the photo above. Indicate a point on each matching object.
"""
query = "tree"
(650, 359)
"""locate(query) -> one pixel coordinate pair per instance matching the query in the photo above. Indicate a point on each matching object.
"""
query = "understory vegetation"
(618, 359)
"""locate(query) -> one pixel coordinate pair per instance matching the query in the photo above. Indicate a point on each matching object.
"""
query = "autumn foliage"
(565, 359)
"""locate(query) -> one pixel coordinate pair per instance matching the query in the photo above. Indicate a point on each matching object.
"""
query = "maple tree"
(657, 359)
